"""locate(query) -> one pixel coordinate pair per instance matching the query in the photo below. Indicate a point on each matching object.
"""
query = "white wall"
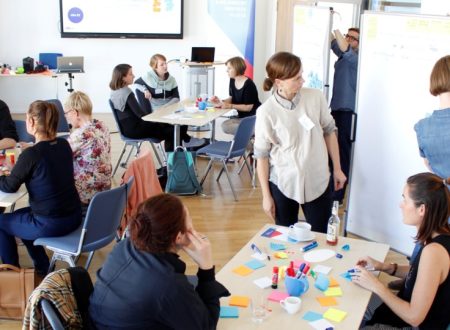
(27, 29)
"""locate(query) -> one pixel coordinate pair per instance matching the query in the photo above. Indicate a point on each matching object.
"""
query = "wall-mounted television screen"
(158, 19)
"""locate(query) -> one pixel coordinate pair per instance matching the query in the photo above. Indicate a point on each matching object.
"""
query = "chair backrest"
(143, 102)
(242, 137)
(21, 128)
(63, 125)
(103, 217)
(116, 119)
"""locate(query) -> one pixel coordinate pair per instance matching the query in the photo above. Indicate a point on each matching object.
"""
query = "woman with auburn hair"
(294, 135)
(129, 112)
(243, 95)
(91, 148)
(46, 169)
(421, 301)
(142, 284)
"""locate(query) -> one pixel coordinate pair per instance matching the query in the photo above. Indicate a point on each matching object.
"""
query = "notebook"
(203, 54)
(70, 64)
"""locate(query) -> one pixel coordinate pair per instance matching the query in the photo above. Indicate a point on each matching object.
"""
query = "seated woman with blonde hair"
(91, 148)
(142, 284)
(46, 169)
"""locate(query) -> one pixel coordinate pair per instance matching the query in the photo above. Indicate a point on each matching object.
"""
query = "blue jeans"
(29, 227)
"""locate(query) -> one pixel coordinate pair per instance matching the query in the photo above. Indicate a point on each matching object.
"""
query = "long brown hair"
(157, 222)
(430, 190)
(45, 117)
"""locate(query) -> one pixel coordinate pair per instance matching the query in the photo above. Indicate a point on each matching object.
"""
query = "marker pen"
(310, 246)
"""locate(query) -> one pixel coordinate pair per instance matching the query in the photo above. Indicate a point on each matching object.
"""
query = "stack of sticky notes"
(241, 301)
(335, 315)
(229, 312)
(242, 270)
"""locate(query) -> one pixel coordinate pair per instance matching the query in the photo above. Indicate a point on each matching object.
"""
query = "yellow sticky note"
(211, 110)
(281, 255)
(334, 314)
(333, 282)
(326, 301)
(243, 270)
(333, 292)
(241, 301)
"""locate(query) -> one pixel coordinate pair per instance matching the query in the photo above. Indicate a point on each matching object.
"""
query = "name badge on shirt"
(158, 91)
(306, 122)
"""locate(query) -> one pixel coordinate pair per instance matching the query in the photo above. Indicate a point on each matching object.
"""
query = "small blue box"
(49, 59)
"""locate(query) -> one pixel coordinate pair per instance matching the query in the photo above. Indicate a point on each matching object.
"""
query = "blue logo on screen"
(75, 15)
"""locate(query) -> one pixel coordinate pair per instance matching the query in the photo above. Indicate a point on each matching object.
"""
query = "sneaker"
(396, 285)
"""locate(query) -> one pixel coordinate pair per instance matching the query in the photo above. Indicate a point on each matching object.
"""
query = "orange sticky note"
(241, 301)
(326, 301)
(333, 282)
(243, 270)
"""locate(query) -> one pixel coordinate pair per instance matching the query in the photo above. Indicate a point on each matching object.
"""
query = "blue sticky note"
(268, 232)
(312, 316)
(347, 276)
(229, 312)
(255, 264)
(277, 247)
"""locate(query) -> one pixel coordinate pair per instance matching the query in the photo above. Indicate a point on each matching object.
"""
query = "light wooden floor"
(228, 224)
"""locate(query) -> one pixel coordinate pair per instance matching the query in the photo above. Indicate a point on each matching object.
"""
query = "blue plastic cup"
(202, 105)
(296, 286)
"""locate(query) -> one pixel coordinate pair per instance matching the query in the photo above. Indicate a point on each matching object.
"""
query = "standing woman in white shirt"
(294, 134)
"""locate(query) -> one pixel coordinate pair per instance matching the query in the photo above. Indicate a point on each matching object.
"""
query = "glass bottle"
(333, 225)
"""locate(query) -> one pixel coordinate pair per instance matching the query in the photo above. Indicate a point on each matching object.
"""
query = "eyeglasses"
(68, 111)
(351, 37)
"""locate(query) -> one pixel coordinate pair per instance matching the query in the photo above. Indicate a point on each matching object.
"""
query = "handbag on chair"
(16, 285)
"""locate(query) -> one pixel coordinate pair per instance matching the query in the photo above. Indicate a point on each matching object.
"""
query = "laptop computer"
(203, 54)
(70, 64)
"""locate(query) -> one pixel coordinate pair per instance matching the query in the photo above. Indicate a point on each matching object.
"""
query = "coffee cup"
(291, 304)
(300, 231)
(296, 286)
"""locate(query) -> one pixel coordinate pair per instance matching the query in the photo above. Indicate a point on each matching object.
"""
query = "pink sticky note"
(277, 296)
(297, 263)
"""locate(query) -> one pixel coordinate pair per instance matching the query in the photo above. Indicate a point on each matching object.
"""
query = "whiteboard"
(397, 53)
(311, 42)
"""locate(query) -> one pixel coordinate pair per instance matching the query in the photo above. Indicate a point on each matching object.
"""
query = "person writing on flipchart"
(344, 93)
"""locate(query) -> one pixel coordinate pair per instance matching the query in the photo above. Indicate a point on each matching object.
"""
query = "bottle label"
(331, 233)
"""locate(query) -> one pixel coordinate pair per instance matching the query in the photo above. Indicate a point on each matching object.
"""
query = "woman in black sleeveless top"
(423, 300)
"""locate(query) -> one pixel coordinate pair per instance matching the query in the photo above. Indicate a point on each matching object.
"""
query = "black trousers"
(343, 120)
(317, 212)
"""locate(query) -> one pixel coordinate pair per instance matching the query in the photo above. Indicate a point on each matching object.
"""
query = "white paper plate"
(318, 255)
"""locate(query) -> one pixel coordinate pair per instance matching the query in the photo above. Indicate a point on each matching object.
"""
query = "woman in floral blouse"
(91, 147)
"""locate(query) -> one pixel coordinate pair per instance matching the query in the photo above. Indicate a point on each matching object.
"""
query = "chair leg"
(51, 268)
(89, 259)
(220, 174)
(120, 158)
(155, 151)
(254, 173)
(208, 168)
(224, 164)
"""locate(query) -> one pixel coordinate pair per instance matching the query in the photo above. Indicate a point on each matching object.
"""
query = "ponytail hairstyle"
(432, 191)
(45, 118)
(282, 65)
(157, 222)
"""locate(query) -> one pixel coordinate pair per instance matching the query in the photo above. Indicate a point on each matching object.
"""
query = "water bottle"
(333, 225)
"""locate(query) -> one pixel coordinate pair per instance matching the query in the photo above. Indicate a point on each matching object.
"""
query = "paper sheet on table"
(177, 116)
(321, 324)
(243, 270)
(284, 234)
(334, 314)
(322, 269)
(241, 301)
(229, 312)
(263, 282)
(318, 255)
(333, 292)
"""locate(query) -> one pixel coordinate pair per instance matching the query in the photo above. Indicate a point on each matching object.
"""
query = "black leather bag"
(28, 64)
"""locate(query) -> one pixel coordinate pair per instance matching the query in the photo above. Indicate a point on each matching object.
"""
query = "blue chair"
(97, 230)
(63, 125)
(224, 150)
(21, 128)
(134, 143)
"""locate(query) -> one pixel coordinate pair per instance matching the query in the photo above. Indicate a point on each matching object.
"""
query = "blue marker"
(255, 248)
(310, 246)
